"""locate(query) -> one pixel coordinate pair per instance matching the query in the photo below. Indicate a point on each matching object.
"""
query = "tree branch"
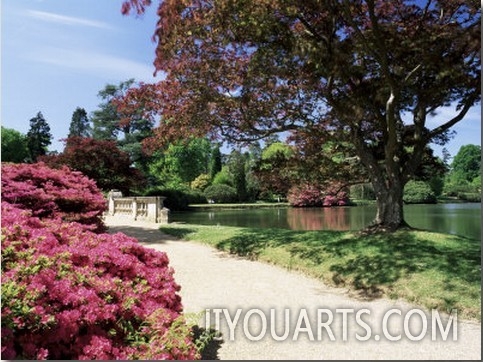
(466, 107)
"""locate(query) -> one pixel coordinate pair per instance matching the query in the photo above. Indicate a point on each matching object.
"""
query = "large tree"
(80, 124)
(14, 146)
(106, 119)
(369, 73)
(109, 123)
(38, 137)
(466, 165)
(100, 160)
(181, 162)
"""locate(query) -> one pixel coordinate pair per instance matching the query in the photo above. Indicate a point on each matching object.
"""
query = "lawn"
(437, 271)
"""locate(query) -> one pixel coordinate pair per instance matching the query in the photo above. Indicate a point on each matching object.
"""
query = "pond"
(459, 218)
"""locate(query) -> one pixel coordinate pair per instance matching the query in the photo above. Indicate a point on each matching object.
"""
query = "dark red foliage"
(368, 75)
(100, 160)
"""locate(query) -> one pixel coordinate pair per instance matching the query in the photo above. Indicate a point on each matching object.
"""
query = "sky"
(56, 55)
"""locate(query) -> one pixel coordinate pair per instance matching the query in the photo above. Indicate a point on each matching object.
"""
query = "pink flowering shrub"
(69, 293)
(50, 193)
(312, 196)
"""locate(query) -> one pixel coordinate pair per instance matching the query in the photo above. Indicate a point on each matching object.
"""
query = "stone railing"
(149, 208)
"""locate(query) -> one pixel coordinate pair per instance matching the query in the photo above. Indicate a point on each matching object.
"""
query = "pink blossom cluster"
(310, 195)
(70, 293)
(54, 193)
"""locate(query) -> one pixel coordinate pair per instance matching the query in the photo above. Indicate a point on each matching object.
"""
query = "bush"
(68, 293)
(52, 193)
(201, 182)
(437, 184)
(453, 189)
(177, 199)
(469, 196)
(224, 177)
(418, 192)
(362, 192)
(100, 160)
(305, 196)
(221, 194)
(313, 196)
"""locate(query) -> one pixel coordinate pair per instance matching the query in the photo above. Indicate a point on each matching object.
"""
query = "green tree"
(14, 146)
(215, 161)
(80, 124)
(106, 119)
(466, 165)
(126, 126)
(236, 165)
(181, 162)
(346, 71)
(273, 168)
(224, 177)
(38, 137)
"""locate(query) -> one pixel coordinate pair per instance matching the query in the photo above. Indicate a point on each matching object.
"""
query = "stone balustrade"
(145, 208)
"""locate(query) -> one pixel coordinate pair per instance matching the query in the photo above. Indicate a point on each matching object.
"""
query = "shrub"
(469, 196)
(100, 160)
(177, 199)
(224, 177)
(418, 192)
(68, 293)
(221, 194)
(51, 193)
(437, 184)
(313, 196)
(305, 196)
(201, 182)
(362, 192)
(196, 197)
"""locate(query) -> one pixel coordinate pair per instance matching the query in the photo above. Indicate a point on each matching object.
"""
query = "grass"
(437, 271)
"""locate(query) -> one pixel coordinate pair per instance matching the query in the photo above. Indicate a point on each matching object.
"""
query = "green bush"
(469, 196)
(201, 182)
(196, 197)
(362, 192)
(223, 178)
(177, 199)
(418, 192)
(455, 189)
(437, 184)
(221, 193)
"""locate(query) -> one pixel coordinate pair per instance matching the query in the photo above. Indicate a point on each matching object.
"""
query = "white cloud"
(95, 63)
(472, 119)
(66, 20)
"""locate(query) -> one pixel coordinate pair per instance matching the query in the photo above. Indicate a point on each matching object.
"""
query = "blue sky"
(57, 55)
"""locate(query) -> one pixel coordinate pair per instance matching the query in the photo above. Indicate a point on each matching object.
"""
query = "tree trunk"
(389, 201)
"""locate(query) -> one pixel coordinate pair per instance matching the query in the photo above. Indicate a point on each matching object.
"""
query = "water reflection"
(334, 218)
(460, 219)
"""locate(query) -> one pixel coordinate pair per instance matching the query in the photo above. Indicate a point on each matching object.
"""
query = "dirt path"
(212, 280)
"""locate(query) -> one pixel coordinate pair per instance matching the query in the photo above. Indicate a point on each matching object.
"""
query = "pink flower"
(42, 354)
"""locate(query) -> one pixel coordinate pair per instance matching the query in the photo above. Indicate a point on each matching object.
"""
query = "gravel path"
(212, 280)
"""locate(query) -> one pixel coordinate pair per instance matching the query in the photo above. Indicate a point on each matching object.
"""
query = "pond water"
(460, 218)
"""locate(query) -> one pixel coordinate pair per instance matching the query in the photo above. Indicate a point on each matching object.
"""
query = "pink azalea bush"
(71, 293)
(50, 193)
(68, 293)
(310, 195)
